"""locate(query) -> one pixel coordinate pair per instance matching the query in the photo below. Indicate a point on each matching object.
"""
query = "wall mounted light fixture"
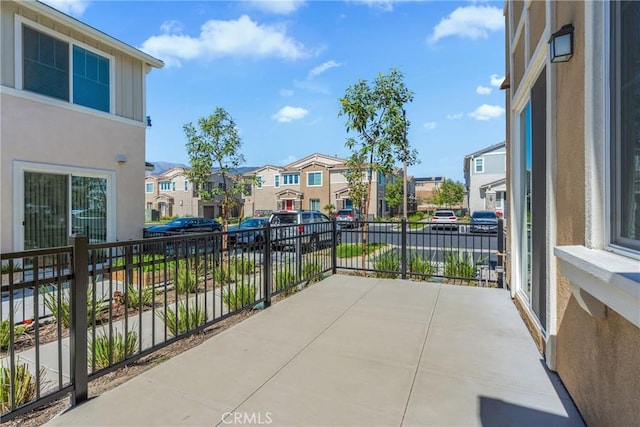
(561, 44)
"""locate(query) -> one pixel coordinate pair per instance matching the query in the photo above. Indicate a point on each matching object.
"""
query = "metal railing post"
(501, 253)
(266, 263)
(403, 253)
(334, 244)
(78, 329)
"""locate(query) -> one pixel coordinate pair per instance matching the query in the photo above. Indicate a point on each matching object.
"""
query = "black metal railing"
(74, 313)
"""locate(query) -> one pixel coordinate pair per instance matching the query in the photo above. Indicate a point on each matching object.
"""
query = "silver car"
(444, 219)
(311, 229)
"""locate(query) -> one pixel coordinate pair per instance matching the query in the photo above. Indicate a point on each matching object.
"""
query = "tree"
(450, 193)
(215, 143)
(330, 208)
(376, 114)
(394, 194)
(355, 176)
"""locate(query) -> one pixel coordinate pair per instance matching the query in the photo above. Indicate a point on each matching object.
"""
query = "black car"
(183, 225)
(484, 222)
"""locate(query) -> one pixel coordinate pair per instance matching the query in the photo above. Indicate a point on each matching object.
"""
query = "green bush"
(151, 262)
(459, 264)
(5, 329)
(417, 216)
(348, 250)
(24, 383)
(388, 261)
(179, 322)
(283, 279)
(242, 265)
(110, 350)
(187, 277)
(422, 269)
(132, 296)
(64, 314)
(7, 268)
(242, 296)
(311, 269)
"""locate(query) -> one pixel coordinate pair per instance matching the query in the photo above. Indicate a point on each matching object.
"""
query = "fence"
(74, 313)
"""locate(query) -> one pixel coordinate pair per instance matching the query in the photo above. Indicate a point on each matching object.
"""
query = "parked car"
(484, 222)
(183, 225)
(312, 229)
(249, 232)
(444, 219)
(350, 218)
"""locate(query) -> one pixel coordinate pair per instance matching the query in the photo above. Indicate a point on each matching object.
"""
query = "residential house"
(485, 173)
(73, 116)
(425, 190)
(172, 194)
(310, 183)
(573, 176)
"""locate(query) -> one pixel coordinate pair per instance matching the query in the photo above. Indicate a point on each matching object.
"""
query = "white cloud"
(171, 27)
(482, 90)
(288, 114)
(286, 92)
(240, 37)
(496, 80)
(487, 112)
(385, 5)
(430, 125)
(456, 116)
(280, 7)
(316, 71)
(70, 7)
(289, 159)
(472, 22)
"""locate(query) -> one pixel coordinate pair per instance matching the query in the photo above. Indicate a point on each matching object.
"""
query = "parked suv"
(484, 221)
(444, 219)
(312, 229)
(349, 218)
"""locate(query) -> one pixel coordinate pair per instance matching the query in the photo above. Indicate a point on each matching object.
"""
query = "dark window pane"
(88, 88)
(45, 64)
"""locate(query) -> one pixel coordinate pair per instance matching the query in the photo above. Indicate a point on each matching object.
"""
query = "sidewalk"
(353, 351)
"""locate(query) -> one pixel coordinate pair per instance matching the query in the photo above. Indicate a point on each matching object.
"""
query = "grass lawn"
(348, 250)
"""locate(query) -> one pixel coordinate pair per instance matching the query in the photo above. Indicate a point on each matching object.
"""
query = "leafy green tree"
(375, 113)
(355, 175)
(215, 143)
(330, 208)
(450, 193)
(394, 194)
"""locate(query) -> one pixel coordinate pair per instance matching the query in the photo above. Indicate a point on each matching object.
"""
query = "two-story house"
(310, 183)
(485, 173)
(172, 194)
(573, 139)
(73, 116)
(425, 190)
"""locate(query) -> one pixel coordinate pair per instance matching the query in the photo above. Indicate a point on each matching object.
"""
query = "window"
(314, 179)
(314, 204)
(149, 187)
(77, 75)
(165, 185)
(276, 181)
(625, 125)
(258, 182)
(291, 179)
(479, 165)
(186, 185)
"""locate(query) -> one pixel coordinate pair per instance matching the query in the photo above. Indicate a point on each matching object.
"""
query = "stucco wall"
(75, 139)
(597, 359)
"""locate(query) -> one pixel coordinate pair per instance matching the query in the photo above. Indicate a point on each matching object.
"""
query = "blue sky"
(280, 66)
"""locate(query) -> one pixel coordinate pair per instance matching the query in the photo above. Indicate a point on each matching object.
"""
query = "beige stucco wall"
(265, 198)
(598, 360)
(71, 138)
(322, 193)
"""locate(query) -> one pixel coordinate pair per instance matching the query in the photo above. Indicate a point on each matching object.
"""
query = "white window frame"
(596, 269)
(186, 185)
(478, 161)
(311, 201)
(259, 182)
(276, 181)
(173, 186)
(19, 21)
(295, 179)
(20, 167)
(314, 173)
(163, 184)
(146, 187)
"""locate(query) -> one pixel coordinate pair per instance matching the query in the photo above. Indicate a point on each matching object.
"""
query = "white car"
(444, 219)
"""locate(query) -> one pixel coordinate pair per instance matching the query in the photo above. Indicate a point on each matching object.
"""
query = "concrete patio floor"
(353, 351)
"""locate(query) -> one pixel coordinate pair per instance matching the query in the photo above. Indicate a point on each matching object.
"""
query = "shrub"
(240, 297)
(422, 269)
(132, 296)
(348, 250)
(24, 383)
(242, 265)
(310, 270)
(5, 329)
(459, 264)
(186, 278)
(389, 263)
(283, 279)
(181, 321)
(7, 268)
(110, 350)
(417, 216)
(64, 314)
(151, 262)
